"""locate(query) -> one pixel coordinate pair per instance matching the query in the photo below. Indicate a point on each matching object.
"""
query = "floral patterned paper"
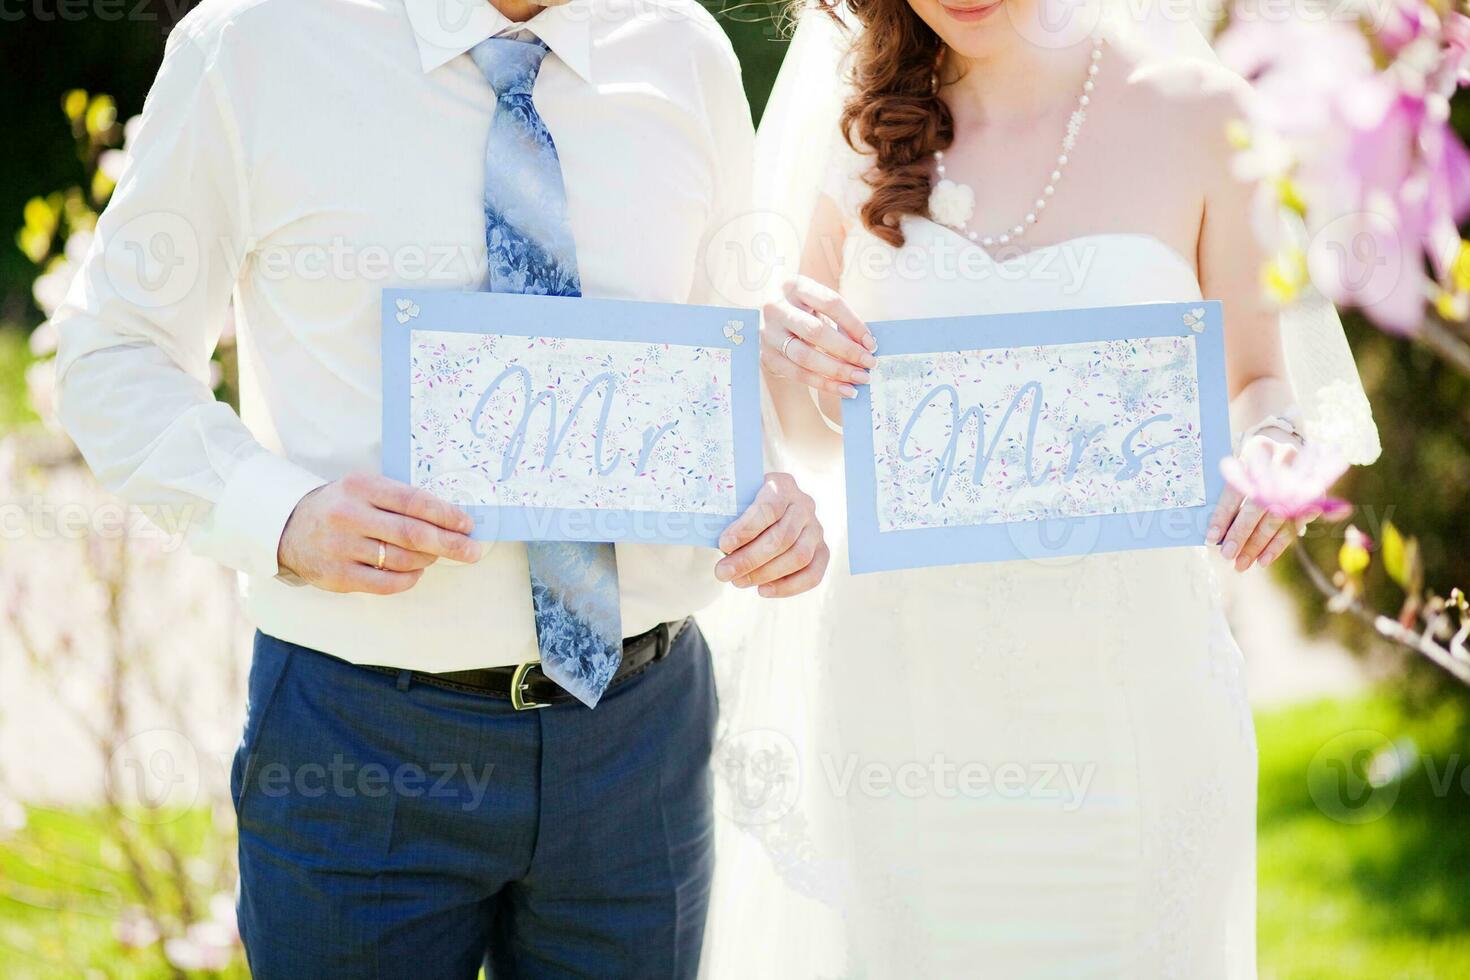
(670, 404)
(1106, 388)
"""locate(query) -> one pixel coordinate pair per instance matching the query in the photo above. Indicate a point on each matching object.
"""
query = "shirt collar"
(445, 29)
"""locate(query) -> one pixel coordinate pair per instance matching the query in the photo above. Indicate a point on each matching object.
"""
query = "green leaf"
(40, 215)
(74, 103)
(101, 115)
(1352, 559)
(1460, 268)
(1285, 275)
(1394, 554)
(102, 187)
(36, 235)
(1401, 559)
(73, 204)
(1290, 198)
(35, 243)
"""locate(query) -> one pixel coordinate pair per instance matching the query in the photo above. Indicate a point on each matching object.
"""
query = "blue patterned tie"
(574, 585)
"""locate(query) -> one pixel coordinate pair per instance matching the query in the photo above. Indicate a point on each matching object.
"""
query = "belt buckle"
(518, 686)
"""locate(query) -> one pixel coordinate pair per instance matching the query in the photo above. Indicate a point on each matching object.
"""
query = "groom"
(417, 789)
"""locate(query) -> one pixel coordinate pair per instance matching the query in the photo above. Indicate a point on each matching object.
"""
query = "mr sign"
(573, 419)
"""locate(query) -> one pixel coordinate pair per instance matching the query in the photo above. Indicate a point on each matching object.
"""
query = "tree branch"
(1446, 341)
(1385, 626)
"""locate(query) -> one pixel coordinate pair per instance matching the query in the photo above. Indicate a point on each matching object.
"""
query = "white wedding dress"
(1107, 687)
(1019, 769)
(1010, 770)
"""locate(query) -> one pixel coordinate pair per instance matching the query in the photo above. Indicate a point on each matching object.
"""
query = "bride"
(1030, 768)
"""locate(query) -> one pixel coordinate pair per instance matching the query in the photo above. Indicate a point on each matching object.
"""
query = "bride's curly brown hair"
(895, 113)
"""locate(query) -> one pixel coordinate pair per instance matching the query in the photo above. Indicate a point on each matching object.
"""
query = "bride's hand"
(1246, 532)
(813, 337)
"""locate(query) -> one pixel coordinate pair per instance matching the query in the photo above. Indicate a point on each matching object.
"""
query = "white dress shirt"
(301, 157)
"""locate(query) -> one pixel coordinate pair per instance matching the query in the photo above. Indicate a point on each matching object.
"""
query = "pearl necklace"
(1074, 128)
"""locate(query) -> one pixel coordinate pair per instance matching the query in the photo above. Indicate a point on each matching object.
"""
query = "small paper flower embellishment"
(407, 310)
(1195, 319)
(951, 204)
(732, 331)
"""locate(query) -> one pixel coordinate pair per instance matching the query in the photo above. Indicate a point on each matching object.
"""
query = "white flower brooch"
(951, 204)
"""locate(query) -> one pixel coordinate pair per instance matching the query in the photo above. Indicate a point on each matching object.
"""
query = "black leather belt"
(526, 687)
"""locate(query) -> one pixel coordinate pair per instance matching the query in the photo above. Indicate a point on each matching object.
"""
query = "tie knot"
(510, 64)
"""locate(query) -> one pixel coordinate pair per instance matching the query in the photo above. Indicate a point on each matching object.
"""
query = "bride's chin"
(975, 45)
(971, 28)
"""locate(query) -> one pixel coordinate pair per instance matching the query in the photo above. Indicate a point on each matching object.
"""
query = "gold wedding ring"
(382, 556)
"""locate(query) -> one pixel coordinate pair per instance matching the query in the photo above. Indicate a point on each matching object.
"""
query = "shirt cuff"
(251, 515)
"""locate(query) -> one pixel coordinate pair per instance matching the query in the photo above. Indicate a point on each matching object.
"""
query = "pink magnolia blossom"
(211, 944)
(1369, 150)
(222, 911)
(135, 929)
(1456, 67)
(1404, 23)
(1293, 490)
(1391, 192)
(205, 946)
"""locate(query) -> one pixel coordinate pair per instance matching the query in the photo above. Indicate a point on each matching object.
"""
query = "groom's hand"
(332, 538)
(777, 544)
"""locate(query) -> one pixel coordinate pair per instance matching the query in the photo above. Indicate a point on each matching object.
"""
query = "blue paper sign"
(1037, 435)
(567, 419)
